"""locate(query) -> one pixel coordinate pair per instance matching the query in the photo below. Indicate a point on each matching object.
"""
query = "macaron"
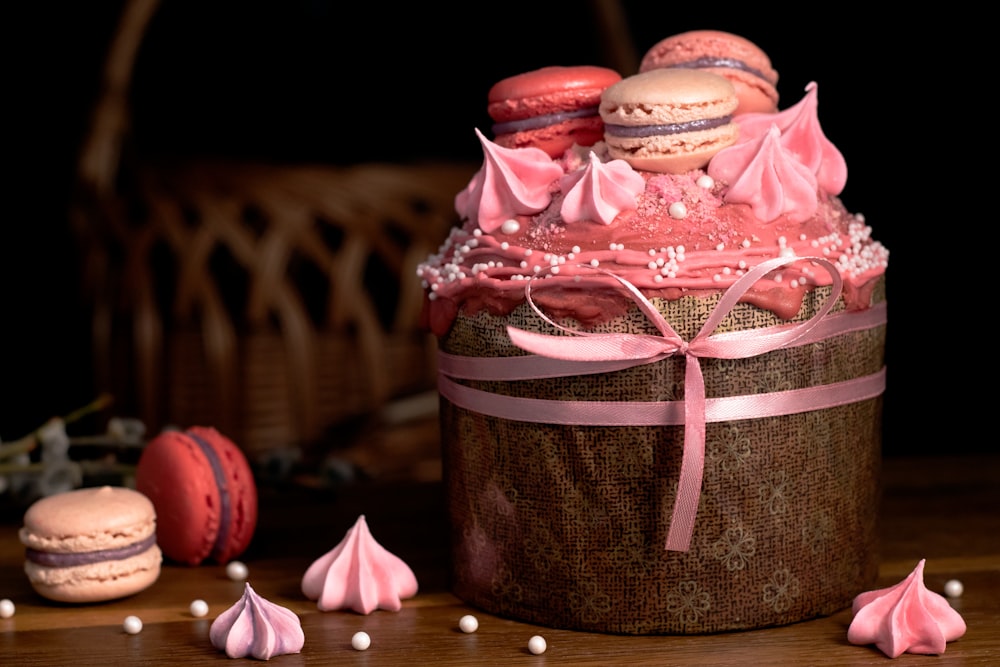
(550, 108)
(91, 545)
(204, 492)
(734, 57)
(669, 120)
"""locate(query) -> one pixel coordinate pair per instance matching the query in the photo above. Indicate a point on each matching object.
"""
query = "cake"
(661, 362)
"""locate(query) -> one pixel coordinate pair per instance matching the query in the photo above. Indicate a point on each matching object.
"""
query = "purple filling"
(220, 479)
(672, 128)
(50, 559)
(541, 121)
(731, 63)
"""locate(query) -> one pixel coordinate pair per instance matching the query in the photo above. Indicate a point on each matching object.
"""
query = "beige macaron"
(669, 120)
(91, 544)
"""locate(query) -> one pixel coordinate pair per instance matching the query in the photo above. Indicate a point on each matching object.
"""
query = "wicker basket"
(273, 302)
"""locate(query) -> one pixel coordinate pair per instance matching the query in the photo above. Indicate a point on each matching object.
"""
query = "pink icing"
(763, 174)
(905, 618)
(512, 181)
(600, 191)
(802, 136)
(359, 574)
(254, 627)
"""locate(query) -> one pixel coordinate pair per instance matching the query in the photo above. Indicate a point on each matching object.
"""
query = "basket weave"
(271, 301)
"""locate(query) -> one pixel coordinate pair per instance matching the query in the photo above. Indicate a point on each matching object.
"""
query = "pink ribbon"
(585, 352)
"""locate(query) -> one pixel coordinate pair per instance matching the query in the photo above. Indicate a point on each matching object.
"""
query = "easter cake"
(661, 355)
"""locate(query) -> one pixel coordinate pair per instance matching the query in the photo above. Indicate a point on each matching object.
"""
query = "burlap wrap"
(565, 526)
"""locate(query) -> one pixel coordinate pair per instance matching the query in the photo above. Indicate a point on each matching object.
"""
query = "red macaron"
(204, 492)
(550, 108)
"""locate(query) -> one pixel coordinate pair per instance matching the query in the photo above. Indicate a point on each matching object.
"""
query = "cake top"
(689, 186)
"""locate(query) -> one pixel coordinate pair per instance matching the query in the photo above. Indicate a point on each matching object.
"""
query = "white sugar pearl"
(468, 623)
(6, 608)
(132, 625)
(537, 645)
(237, 571)
(677, 210)
(199, 608)
(361, 641)
(953, 588)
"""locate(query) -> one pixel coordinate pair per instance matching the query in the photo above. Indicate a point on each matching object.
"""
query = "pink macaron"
(91, 544)
(204, 492)
(550, 108)
(734, 57)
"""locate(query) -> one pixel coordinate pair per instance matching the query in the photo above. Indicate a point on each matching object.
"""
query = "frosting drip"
(359, 574)
(905, 618)
(256, 628)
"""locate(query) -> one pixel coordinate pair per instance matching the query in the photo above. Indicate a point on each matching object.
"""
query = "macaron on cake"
(550, 108)
(736, 58)
(669, 120)
(204, 492)
(91, 544)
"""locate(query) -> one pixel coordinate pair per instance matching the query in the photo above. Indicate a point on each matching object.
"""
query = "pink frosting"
(359, 574)
(254, 627)
(600, 191)
(905, 618)
(511, 182)
(802, 136)
(765, 175)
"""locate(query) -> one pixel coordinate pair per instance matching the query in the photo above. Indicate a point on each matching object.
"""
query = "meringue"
(359, 574)
(600, 191)
(254, 627)
(905, 618)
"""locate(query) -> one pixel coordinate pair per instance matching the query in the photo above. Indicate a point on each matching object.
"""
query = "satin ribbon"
(585, 352)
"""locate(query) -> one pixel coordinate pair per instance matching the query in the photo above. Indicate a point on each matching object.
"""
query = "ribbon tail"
(692, 461)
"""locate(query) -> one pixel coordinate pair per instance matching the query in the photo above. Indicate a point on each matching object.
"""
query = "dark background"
(305, 80)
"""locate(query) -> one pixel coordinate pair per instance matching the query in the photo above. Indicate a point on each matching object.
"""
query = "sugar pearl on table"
(199, 608)
(6, 608)
(237, 571)
(953, 588)
(361, 641)
(468, 623)
(132, 625)
(537, 645)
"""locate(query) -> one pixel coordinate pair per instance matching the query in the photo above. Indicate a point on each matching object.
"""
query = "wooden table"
(942, 509)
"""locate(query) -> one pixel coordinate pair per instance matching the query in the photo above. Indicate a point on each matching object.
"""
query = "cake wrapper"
(564, 525)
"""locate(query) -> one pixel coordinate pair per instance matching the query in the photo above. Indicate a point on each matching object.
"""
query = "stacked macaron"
(733, 57)
(204, 493)
(551, 108)
(669, 120)
(91, 544)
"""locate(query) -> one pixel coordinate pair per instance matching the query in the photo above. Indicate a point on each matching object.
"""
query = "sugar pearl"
(677, 210)
(537, 645)
(6, 608)
(361, 641)
(132, 625)
(468, 623)
(953, 588)
(237, 571)
(199, 608)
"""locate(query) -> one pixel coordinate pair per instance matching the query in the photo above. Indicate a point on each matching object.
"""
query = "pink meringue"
(359, 574)
(512, 181)
(600, 191)
(763, 174)
(803, 137)
(254, 627)
(905, 618)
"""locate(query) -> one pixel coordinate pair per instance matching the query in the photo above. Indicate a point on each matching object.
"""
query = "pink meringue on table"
(905, 618)
(256, 628)
(359, 574)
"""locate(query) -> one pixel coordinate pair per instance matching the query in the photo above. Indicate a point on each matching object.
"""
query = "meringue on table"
(905, 618)
(256, 628)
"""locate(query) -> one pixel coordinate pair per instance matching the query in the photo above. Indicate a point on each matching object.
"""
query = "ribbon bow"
(596, 347)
